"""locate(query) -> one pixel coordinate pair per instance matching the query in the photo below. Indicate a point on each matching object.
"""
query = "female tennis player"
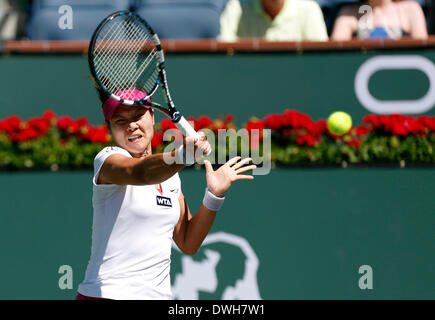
(139, 207)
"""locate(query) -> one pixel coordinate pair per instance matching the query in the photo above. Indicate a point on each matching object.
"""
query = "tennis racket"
(125, 54)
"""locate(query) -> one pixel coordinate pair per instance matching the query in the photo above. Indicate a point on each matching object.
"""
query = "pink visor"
(110, 105)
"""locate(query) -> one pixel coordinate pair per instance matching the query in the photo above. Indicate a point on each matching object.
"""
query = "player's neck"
(148, 151)
(272, 8)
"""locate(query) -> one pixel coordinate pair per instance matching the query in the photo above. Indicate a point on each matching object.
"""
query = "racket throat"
(175, 117)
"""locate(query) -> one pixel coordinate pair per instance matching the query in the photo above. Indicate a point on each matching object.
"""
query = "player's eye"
(120, 122)
(139, 115)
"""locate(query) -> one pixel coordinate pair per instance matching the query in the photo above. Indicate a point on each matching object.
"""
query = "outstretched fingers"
(247, 168)
(241, 163)
(243, 177)
(233, 161)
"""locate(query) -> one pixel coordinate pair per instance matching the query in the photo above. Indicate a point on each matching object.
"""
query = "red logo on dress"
(159, 188)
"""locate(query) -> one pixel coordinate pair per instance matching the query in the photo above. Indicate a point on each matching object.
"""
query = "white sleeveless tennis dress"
(131, 238)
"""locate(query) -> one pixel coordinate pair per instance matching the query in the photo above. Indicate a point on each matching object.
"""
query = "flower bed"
(53, 142)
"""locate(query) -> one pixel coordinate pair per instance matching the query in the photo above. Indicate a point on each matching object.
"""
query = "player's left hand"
(219, 181)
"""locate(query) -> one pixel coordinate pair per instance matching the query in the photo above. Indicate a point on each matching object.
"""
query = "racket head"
(125, 55)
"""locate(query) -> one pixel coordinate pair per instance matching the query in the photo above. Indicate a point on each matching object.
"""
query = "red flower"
(399, 130)
(157, 139)
(102, 134)
(419, 128)
(99, 134)
(218, 125)
(291, 118)
(254, 123)
(413, 126)
(4, 127)
(39, 124)
(203, 122)
(48, 115)
(10, 124)
(354, 143)
(320, 127)
(273, 121)
(397, 126)
(400, 125)
(304, 121)
(25, 135)
(384, 121)
(257, 126)
(167, 124)
(428, 122)
(64, 122)
(361, 131)
(308, 140)
(397, 117)
(73, 128)
(371, 119)
(229, 118)
(96, 134)
(82, 122)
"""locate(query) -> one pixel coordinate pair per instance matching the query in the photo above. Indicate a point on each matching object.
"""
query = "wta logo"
(225, 268)
(163, 201)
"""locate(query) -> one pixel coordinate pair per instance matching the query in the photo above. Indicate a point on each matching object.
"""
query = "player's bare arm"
(150, 169)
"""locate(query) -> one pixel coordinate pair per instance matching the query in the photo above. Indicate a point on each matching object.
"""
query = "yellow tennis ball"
(339, 123)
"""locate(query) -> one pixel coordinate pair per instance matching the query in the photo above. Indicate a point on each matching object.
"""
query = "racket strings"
(113, 57)
(120, 57)
(106, 48)
(150, 80)
(131, 52)
(114, 45)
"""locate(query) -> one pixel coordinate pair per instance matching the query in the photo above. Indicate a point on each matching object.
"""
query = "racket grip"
(187, 129)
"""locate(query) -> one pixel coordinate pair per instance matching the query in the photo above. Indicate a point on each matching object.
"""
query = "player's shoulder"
(112, 150)
(106, 152)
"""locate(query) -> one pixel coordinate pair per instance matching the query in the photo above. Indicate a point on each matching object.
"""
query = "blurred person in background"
(380, 19)
(272, 20)
(12, 19)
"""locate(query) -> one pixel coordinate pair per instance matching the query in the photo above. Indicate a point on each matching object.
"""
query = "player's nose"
(132, 126)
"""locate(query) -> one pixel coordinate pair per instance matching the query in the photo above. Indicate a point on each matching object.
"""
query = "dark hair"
(109, 127)
(102, 94)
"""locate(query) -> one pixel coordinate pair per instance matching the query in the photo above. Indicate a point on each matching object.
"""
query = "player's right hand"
(200, 148)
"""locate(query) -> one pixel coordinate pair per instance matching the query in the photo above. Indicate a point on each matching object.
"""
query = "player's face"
(133, 128)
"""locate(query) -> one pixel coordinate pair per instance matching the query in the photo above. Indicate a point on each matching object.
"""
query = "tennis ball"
(339, 123)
